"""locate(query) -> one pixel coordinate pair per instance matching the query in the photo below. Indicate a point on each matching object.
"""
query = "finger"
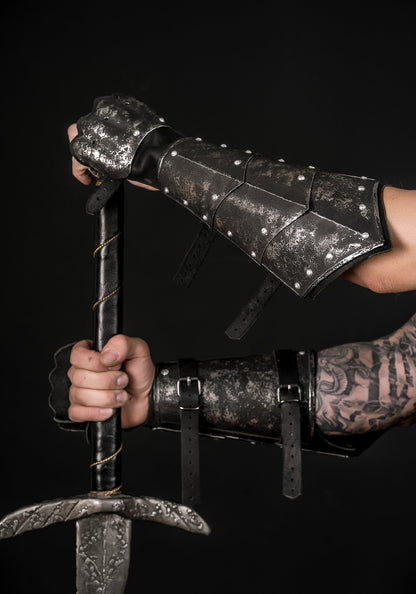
(121, 347)
(72, 132)
(80, 414)
(135, 355)
(81, 172)
(85, 357)
(97, 398)
(105, 380)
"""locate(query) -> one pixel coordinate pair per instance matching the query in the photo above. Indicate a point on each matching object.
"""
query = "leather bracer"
(303, 225)
(264, 399)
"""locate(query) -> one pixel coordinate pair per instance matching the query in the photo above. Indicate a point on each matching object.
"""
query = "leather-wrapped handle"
(106, 436)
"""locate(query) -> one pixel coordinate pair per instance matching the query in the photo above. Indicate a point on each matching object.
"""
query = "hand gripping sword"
(103, 516)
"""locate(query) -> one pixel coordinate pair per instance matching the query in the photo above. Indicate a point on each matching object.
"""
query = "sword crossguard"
(46, 513)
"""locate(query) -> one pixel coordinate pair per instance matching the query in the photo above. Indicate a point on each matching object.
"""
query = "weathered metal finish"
(305, 226)
(200, 175)
(109, 136)
(41, 515)
(238, 398)
(103, 554)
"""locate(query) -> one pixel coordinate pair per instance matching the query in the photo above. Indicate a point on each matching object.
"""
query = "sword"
(104, 515)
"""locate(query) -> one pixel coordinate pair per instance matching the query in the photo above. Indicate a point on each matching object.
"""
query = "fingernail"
(122, 380)
(109, 356)
(121, 397)
(106, 412)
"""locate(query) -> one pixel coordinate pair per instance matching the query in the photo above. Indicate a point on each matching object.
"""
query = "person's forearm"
(393, 271)
(367, 386)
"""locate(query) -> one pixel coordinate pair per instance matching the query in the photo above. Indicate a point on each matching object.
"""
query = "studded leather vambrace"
(303, 225)
(263, 399)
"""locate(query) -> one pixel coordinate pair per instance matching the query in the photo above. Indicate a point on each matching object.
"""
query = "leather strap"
(189, 390)
(253, 308)
(289, 396)
(195, 256)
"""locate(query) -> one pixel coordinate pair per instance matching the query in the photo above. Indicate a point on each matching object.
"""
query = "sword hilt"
(106, 436)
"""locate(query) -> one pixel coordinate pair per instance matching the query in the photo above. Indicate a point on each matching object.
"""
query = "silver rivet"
(215, 196)
(253, 254)
(164, 371)
(329, 256)
(185, 202)
(136, 132)
(309, 272)
(248, 151)
(198, 139)
(205, 217)
(166, 190)
(161, 120)
(365, 235)
(361, 188)
(264, 231)
(301, 352)
(311, 166)
(229, 233)
(174, 153)
(297, 285)
(281, 160)
(237, 162)
(362, 207)
(223, 146)
(301, 177)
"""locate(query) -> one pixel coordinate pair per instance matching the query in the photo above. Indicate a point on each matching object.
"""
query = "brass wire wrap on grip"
(107, 493)
(97, 249)
(107, 459)
(106, 297)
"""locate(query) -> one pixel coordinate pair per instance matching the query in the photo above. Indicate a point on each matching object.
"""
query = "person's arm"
(393, 271)
(303, 225)
(359, 387)
(367, 386)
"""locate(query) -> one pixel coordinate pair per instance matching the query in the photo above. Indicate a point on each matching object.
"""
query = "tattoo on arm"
(367, 386)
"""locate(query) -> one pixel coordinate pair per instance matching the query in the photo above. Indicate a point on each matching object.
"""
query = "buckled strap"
(289, 396)
(189, 390)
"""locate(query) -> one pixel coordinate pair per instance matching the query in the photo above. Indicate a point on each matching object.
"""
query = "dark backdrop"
(331, 87)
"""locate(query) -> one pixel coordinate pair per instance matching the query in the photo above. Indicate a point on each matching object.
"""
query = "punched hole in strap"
(188, 388)
(195, 256)
(252, 310)
(289, 399)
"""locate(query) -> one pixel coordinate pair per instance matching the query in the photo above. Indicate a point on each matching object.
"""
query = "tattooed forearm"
(368, 386)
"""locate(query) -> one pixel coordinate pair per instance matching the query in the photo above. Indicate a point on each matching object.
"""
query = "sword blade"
(103, 554)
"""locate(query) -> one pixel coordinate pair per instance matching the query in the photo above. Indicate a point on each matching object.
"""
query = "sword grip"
(106, 436)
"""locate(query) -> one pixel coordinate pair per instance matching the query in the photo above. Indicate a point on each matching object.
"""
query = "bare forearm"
(393, 271)
(368, 386)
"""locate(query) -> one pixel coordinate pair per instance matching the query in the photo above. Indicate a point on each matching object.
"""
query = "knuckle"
(73, 414)
(108, 399)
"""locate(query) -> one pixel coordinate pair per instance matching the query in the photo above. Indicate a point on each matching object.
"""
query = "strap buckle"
(291, 397)
(188, 381)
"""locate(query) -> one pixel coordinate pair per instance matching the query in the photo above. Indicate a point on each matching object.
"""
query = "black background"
(333, 87)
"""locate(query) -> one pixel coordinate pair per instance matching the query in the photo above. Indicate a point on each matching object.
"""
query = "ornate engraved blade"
(103, 554)
(41, 515)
